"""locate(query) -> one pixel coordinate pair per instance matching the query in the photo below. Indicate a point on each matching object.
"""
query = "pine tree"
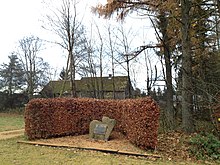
(12, 75)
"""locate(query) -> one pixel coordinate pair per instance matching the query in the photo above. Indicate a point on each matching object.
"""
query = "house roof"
(89, 84)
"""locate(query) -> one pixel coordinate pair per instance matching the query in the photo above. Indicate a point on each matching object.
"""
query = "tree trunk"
(113, 67)
(101, 92)
(101, 71)
(30, 79)
(101, 79)
(187, 88)
(169, 111)
(72, 75)
(65, 76)
(128, 73)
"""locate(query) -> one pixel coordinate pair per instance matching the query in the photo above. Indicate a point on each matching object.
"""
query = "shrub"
(137, 119)
(205, 146)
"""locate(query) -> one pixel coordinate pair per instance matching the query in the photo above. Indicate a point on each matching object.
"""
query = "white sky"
(18, 19)
(21, 18)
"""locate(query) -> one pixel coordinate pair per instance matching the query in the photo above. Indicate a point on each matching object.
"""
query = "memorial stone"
(101, 130)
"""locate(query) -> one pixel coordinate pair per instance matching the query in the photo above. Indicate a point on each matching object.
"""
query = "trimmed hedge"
(137, 119)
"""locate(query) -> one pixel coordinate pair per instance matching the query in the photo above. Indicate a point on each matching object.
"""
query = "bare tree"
(101, 63)
(92, 66)
(124, 40)
(63, 22)
(151, 74)
(112, 59)
(162, 23)
(33, 65)
(124, 7)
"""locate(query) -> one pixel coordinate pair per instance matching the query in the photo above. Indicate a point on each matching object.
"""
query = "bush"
(205, 146)
(137, 119)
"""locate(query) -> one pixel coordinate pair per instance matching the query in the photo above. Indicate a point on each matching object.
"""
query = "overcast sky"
(18, 19)
(21, 18)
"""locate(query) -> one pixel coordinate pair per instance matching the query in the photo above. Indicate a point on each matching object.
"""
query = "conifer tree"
(12, 75)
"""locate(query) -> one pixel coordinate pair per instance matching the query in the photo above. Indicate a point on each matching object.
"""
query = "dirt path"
(11, 134)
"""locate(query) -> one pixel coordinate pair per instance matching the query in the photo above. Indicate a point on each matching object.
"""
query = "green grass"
(11, 121)
(14, 153)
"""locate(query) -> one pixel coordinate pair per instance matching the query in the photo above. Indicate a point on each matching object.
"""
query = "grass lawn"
(11, 121)
(14, 153)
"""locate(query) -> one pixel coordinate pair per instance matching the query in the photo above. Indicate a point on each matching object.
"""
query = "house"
(113, 87)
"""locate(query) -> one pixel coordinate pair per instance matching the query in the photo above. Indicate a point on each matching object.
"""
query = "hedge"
(137, 119)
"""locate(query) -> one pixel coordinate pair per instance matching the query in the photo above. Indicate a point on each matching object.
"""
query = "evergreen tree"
(35, 68)
(12, 75)
(64, 74)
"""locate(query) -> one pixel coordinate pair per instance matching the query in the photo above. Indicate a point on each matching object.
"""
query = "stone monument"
(101, 130)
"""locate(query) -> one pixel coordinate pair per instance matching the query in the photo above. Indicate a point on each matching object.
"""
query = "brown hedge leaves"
(137, 119)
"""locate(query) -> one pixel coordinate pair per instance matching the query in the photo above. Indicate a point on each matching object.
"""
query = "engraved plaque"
(100, 129)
